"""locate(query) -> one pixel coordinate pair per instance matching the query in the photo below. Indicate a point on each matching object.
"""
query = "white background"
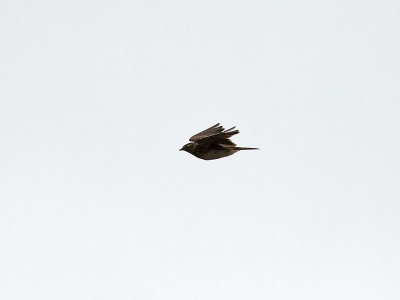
(96, 201)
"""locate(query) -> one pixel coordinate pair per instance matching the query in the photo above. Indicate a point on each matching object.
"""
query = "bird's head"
(188, 147)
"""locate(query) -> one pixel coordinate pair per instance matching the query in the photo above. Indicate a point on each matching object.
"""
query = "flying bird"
(213, 143)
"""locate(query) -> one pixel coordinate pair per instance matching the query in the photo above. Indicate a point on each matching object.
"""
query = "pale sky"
(96, 201)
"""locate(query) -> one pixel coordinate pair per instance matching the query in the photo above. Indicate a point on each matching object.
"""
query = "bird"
(213, 143)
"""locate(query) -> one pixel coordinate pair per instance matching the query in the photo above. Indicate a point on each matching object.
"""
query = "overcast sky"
(96, 201)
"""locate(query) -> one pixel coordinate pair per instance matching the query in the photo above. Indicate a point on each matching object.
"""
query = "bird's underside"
(213, 143)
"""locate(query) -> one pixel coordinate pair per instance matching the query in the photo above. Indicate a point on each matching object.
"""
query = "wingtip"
(230, 129)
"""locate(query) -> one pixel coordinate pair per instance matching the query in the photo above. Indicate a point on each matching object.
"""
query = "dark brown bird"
(213, 143)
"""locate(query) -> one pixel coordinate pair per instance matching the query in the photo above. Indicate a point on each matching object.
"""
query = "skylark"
(213, 143)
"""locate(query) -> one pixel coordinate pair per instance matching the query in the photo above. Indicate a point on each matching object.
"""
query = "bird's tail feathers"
(238, 148)
(244, 148)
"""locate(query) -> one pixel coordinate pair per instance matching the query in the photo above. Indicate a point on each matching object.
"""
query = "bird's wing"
(206, 133)
(215, 134)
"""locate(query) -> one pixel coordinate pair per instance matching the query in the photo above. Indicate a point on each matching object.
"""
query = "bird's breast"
(215, 154)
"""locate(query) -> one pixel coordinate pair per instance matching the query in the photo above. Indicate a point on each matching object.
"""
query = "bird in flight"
(213, 143)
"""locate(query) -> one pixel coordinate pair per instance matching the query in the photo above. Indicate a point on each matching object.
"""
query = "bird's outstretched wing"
(215, 134)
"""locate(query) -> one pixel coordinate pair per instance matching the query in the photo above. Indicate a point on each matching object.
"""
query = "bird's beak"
(181, 149)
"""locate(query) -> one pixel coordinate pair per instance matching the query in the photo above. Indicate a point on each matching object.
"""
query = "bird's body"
(213, 143)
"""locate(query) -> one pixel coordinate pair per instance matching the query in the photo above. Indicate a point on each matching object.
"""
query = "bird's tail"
(243, 148)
